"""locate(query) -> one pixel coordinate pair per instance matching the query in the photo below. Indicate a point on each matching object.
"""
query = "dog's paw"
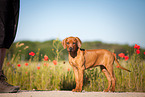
(76, 90)
(106, 90)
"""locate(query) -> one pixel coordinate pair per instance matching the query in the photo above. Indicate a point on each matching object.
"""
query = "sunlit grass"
(46, 74)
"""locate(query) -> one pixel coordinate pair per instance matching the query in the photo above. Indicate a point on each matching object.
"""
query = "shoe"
(6, 87)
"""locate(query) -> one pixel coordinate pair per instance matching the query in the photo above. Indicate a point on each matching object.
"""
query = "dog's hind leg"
(104, 70)
(113, 79)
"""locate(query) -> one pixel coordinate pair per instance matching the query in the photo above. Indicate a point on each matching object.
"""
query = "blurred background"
(109, 21)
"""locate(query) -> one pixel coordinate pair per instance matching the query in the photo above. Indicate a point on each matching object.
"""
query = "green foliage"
(58, 48)
(48, 48)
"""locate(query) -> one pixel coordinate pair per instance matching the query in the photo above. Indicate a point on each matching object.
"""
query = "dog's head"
(71, 43)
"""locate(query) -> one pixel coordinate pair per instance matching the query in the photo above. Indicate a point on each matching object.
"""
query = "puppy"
(81, 59)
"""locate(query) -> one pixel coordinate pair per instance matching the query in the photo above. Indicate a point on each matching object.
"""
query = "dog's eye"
(67, 43)
(74, 43)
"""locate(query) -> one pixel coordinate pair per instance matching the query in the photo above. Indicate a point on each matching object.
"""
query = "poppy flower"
(138, 51)
(117, 66)
(144, 53)
(26, 64)
(38, 67)
(122, 55)
(54, 62)
(31, 53)
(19, 65)
(46, 58)
(26, 72)
(44, 64)
(137, 46)
(126, 58)
(68, 69)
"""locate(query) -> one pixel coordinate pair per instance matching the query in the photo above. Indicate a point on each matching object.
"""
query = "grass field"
(58, 75)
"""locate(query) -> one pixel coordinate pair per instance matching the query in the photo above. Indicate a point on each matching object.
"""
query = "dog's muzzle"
(70, 49)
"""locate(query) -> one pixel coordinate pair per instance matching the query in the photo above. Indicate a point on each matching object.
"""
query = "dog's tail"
(119, 66)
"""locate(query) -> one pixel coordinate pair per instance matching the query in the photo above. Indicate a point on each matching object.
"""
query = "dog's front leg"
(81, 74)
(78, 78)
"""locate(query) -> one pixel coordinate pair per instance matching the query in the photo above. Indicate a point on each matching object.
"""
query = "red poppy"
(26, 72)
(54, 62)
(117, 66)
(19, 65)
(26, 64)
(38, 67)
(32, 53)
(44, 64)
(138, 51)
(68, 69)
(137, 46)
(126, 58)
(122, 55)
(144, 53)
(46, 58)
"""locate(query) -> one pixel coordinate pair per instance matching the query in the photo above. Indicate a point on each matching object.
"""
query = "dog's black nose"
(70, 49)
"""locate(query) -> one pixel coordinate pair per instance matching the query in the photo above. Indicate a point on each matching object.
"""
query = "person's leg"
(9, 12)
(4, 86)
(2, 56)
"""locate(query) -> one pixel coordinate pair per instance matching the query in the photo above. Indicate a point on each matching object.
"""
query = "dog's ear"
(79, 43)
(64, 43)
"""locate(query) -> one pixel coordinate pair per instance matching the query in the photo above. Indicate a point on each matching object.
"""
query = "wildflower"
(21, 44)
(38, 67)
(138, 51)
(117, 66)
(32, 53)
(26, 72)
(46, 64)
(126, 58)
(46, 58)
(26, 64)
(122, 55)
(137, 46)
(68, 69)
(19, 65)
(54, 62)
(144, 53)
(26, 47)
(17, 44)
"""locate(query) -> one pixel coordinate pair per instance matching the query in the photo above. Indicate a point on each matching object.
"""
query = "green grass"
(45, 75)
(61, 77)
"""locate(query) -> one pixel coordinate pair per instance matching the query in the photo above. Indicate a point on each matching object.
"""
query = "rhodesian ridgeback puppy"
(81, 59)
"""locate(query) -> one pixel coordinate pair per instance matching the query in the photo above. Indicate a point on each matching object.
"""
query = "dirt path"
(70, 94)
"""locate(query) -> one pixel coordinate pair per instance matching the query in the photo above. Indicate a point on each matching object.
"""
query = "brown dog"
(81, 59)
